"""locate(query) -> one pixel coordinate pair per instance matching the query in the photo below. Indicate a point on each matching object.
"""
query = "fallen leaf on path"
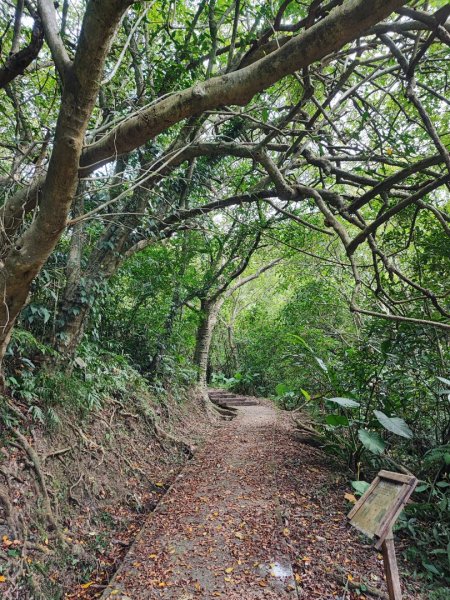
(87, 585)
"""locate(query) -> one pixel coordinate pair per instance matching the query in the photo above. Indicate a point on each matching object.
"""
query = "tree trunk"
(164, 339)
(208, 319)
(79, 296)
(24, 258)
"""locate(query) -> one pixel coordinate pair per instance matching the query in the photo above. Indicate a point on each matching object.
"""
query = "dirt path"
(218, 532)
(253, 505)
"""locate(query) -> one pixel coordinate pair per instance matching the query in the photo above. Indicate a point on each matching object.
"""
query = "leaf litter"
(255, 515)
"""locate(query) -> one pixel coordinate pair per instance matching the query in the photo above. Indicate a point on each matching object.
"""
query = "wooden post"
(390, 567)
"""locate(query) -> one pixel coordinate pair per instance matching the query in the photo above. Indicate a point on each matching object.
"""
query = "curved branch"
(342, 25)
(18, 61)
(399, 318)
(426, 189)
(47, 13)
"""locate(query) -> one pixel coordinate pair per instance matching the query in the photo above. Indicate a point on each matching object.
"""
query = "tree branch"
(47, 13)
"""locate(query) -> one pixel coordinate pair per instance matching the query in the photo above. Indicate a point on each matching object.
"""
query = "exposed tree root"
(9, 475)
(10, 514)
(306, 426)
(72, 487)
(181, 444)
(38, 547)
(31, 453)
(32, 465)
(20, 416)
(56, 453)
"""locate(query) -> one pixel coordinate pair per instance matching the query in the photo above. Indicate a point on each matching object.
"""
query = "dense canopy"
(246, 192)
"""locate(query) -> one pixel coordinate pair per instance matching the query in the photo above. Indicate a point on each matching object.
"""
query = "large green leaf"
(372, 441)
(394, 424)
(360, 486)
(345, 402)
(336, 420)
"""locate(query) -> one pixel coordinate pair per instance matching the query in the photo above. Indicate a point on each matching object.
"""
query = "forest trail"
(255, 515)
(218, 532)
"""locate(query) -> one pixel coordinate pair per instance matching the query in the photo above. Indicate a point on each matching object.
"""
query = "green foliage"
(372, 441)
(378, 391)
(360, 487)
(427, 522)
(95, 375)
(393, 424)
(285, 397)
(345, 402)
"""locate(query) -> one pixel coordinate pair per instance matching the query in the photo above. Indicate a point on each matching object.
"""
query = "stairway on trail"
(226, 398)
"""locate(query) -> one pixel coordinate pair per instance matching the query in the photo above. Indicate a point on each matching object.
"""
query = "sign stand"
(375, 514)
(390, 567)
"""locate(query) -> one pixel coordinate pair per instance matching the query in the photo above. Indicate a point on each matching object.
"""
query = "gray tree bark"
(209, 311)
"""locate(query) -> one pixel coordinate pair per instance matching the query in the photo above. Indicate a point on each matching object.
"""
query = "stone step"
(236, 400)
(226, 398)
(229, 397)
(242, 403)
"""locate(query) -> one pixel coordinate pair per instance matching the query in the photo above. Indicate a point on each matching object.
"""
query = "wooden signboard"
(375, 514)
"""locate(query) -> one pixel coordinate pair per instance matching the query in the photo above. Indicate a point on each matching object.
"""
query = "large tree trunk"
(73, 314)
(208, 318)
(81, 293)
(25, 257)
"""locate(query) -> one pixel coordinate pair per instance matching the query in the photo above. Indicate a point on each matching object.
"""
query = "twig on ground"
(55, 453)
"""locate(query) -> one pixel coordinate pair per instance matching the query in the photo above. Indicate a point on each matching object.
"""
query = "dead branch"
(56, 453)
